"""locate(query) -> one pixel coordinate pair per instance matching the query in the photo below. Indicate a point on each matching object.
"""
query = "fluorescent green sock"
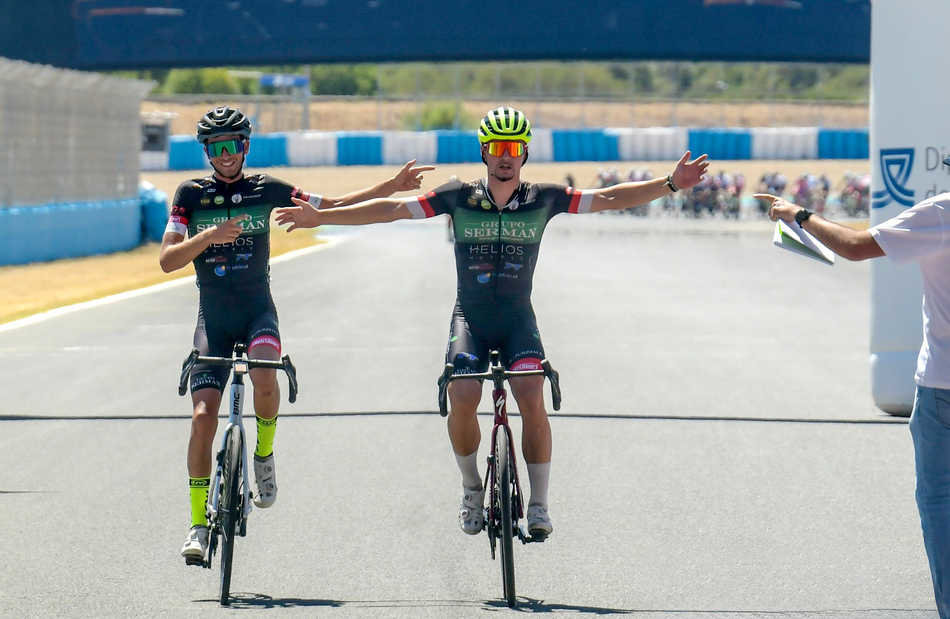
(198, 487)
(265, 436)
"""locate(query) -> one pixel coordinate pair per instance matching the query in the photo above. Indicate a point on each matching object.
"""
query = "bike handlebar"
(284, 364)
(498, 373)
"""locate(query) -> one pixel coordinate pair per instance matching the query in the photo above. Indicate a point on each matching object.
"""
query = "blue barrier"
(185, 153)
(268, 150)
(457, 147)
(721, 143)
(52, 231)
(359, 148)
(842, 143)
(584, 145)
(154, 205)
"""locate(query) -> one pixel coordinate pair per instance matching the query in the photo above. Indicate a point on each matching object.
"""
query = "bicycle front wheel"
(503, 481)
(230, 506)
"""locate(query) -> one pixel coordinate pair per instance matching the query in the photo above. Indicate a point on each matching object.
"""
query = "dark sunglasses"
(231, 147)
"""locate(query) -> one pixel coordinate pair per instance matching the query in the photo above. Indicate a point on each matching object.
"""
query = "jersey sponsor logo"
(220, 270)
(177, 219)
(265, 340)
(205, 201)
(242, 257)
(219, 200)
(484, 266)
(513, 266)
(236, 198)
(526, 364)
(485, 204)
(483, 278)
(240, 267)
(178, 210)
(216, 259)
(508, 275)
(203, 380)
(210, 190)
(493, 249)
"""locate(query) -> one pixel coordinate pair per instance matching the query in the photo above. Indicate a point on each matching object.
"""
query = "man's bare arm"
(409, 178)
(177, 251)
(844, 241)
(305, 215)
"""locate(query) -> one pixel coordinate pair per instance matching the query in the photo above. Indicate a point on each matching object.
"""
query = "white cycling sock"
(538, 474)
(468, 465)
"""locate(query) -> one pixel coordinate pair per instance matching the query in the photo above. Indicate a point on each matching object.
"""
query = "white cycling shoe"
(196, 544)
(539, 522)
(471, 512)
(265, 476)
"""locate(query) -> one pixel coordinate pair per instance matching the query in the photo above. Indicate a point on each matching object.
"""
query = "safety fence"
(69, 162)
(330, 148)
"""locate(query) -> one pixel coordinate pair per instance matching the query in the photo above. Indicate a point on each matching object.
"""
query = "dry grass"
(29, 289)
(379, 114)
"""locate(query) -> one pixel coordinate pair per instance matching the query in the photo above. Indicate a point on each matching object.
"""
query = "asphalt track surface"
(717, 453)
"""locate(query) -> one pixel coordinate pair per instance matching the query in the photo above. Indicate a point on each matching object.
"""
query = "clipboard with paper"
(795, 239)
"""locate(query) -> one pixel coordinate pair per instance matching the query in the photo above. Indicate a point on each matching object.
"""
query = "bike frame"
(234, 421)
(500, 397)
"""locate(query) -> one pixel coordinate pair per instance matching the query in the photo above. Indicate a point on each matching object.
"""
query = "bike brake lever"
(443, 383)
(186, 366)
(554, 378)
(291, 372)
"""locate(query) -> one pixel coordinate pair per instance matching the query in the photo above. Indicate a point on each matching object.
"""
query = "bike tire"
(230, 508)
(503, 482)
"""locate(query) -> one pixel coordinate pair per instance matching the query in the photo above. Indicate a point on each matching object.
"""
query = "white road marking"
(130, 294)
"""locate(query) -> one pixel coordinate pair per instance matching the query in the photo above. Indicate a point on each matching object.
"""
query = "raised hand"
(304, 215)
(226, 232)
(409, 178)
(689, 173)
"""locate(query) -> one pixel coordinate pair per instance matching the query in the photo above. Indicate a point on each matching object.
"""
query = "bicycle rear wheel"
(502, 481)
(230, 507)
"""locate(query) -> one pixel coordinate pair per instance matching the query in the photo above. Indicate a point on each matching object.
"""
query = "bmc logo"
(896, 164)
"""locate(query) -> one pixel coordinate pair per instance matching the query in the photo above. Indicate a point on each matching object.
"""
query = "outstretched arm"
(846, 242)
(624, 195)
(380, 210)
(409, 178)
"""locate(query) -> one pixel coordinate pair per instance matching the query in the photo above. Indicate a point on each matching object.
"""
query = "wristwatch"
(669, 183)
(802, 216)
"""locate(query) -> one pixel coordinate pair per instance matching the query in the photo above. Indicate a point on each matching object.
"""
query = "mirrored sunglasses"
(231, 147)
(498, 148)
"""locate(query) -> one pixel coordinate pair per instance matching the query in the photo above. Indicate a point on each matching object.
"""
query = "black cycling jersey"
(205, 202)
(496, 250)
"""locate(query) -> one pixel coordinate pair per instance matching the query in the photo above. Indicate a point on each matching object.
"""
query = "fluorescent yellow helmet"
(504, 123)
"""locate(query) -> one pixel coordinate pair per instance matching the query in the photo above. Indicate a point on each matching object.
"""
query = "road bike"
(229, 498)
(506, 504)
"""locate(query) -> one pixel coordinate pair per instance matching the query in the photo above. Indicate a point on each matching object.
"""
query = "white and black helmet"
(223, 121)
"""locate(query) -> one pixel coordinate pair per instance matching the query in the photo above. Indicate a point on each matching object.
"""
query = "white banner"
(910, 136)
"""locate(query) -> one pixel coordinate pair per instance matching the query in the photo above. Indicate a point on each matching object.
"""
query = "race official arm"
(844, 241)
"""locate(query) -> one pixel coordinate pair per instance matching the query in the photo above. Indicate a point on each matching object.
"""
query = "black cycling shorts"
(510, 328)
(228, 316)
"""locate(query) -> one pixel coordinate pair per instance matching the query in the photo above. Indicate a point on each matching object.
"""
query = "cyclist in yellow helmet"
(498, 223)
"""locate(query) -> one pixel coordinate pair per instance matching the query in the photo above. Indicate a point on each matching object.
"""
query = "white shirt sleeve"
(918, 232)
